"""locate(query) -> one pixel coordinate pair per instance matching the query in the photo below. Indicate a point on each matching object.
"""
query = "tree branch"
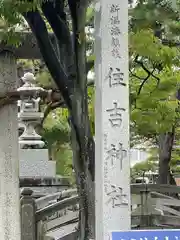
(39, 29)
(170, 43)
(144, 81)
(50, 107)
(54, 12)
(134, 75)
(149, 74)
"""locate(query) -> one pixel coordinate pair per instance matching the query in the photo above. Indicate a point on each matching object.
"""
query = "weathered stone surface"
(112, 118)
(67, 232)
(35, 163)
(44, 181)
(28, 221)
(9, 161)
(26, 192)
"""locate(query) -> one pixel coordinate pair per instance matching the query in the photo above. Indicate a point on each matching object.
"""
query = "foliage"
(153, 80)
(154, 83)
(139, 169)
(159, 16)
(151, 163)
(154, 105)
(56, 127)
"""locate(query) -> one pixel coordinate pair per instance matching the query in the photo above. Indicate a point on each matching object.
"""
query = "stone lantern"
(29, 114)
(33, 157)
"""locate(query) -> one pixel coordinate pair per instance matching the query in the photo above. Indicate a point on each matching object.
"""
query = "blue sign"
(173, 234)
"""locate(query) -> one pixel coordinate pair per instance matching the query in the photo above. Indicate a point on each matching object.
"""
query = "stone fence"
(155, 206)
(55, 216)
(37, 221)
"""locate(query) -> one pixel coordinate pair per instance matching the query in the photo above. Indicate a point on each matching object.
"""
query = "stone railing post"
(28, 211)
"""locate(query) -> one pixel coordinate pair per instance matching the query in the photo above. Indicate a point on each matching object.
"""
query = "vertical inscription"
(115, 30)
(115, 115)
(115, 77)
(116, 196)
(112, 165)
(115, 153)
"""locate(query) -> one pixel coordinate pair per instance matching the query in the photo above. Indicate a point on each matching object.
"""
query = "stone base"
(35, 163)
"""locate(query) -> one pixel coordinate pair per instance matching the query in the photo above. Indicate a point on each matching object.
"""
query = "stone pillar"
(9, 170)
(28, 212)
(112, 118)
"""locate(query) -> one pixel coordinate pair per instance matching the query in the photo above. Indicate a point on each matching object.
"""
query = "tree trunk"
(86, 190)
(82, 140)
(165, 149)
(73, 86)
(9, 170)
